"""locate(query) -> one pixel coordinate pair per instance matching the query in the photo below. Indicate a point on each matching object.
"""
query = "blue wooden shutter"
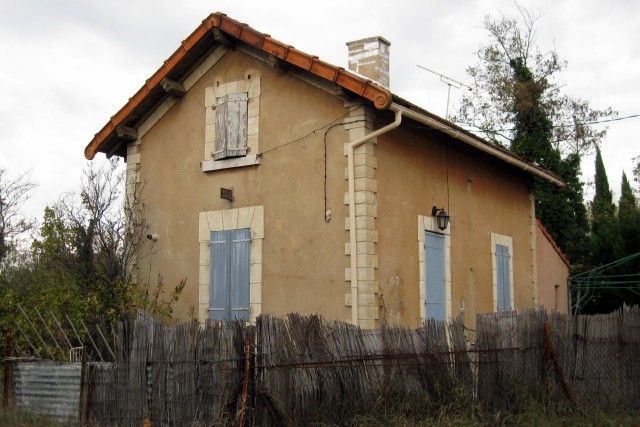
(229, 275)
(219, 274)
(503, 278)
(240, 266)
(231, 125)
(434, 262)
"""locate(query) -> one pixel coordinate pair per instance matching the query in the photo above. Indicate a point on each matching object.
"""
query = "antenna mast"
(449, 82)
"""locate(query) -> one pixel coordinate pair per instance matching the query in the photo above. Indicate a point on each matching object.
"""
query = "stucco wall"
(302, 255)
(419, 169)
(553, 273)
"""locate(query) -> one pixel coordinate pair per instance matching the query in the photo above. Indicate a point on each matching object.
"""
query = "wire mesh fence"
(298, 370)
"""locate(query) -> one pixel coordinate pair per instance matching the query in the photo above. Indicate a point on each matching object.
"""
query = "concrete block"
(368, 261)
(220, 91)
(203, 313)
(366, 273)
(363, 209)
(347, 299)
(256, 253)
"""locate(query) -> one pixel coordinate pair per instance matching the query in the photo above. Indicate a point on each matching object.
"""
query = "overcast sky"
(67, 66)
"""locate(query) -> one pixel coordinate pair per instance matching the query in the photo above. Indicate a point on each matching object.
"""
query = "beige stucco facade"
(553, 273)
(293, 179)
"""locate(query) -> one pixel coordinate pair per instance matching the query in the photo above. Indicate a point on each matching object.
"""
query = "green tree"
(628, 222)
(605, 236)
(517, 103)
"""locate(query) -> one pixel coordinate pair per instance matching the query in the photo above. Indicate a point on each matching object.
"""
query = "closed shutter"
(240, 265)
(231, 125)
(503, 277)
(229, 275)
(435, 292)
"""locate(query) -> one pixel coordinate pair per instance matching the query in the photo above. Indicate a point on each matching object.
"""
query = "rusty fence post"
(247, 379)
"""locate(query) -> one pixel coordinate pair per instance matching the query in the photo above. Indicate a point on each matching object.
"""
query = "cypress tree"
(605, 236)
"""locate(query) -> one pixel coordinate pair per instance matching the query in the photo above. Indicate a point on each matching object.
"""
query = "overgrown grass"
(14, 418)
(533, 416)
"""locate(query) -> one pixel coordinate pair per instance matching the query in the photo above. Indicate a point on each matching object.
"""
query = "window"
(502, 264)
(231, 126)
(229, 269)
(434, 260)
(229, 283)
(435, 280)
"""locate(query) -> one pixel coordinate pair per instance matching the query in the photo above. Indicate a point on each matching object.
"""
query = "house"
(553, 272)
(275, 182)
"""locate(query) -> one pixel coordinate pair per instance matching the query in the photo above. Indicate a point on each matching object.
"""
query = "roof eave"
(380, 97)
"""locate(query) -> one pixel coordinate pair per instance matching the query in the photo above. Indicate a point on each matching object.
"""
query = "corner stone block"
(367, 323)
(255, 293)
(230, 219)
(347, 299)
(210, 132)
(203, 275)
(257, 225)
(368, 312)
(243, 85)
(209, 116)
(209, 97)
(204, 253)
(232, 87)
(245, 216)
(255, 272)
(203, 312)
(215, 221)
(254, 88)
(203, 294)
(204, 231)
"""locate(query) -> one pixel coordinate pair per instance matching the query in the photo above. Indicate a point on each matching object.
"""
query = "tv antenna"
(449, 82)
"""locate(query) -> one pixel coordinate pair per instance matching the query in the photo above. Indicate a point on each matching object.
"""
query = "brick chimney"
(370, 58)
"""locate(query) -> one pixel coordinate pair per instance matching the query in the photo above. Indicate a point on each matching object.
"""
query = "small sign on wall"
(226, 194)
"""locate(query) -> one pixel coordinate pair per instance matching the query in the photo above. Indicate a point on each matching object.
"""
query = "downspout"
(352, 207)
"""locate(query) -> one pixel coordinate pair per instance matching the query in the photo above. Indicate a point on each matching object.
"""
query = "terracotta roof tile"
(147, 96)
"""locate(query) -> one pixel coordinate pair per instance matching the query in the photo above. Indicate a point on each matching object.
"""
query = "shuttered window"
(503, 277)
(231, 126)
(229, 270)
(435, 282)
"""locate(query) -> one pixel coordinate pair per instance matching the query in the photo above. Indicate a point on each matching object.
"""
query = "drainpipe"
(352, 207)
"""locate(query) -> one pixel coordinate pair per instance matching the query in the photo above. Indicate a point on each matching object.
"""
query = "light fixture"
(442, 217)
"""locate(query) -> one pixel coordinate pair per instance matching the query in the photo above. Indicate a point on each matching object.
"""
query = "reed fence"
(299, 370)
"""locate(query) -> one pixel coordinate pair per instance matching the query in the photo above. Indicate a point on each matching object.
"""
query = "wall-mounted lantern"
(442, 217)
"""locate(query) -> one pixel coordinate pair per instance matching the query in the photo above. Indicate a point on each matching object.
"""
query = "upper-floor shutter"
(231, 125)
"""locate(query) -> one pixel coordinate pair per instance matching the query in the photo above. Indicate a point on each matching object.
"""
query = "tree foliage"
(517, 102)
(80, 265)
(14, 192)
(500, 95)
